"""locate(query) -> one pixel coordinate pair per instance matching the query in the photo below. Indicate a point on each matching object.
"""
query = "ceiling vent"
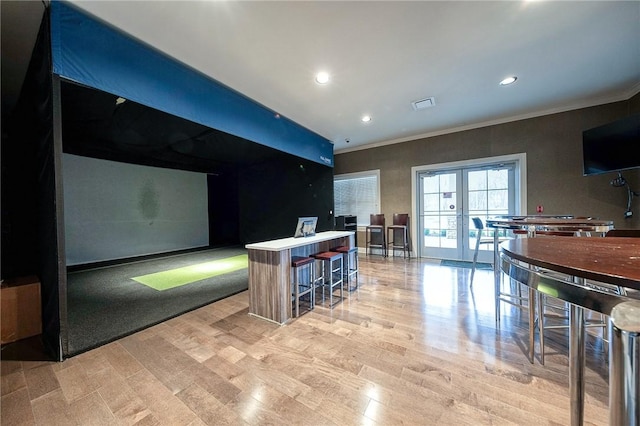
(423, 103)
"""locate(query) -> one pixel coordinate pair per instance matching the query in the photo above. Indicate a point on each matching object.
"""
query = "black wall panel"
(224, 218)
(274, 194)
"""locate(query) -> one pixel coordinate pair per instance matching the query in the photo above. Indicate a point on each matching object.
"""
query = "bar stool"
(560, 311)
(350, 263)
(375, 234)
(399, 231)
(333, 267)
(554, 314)
(305, 286)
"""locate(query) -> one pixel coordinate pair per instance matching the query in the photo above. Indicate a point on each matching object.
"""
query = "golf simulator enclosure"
(117, 152)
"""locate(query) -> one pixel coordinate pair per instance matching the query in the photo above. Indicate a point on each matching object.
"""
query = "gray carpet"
(465, 264)
(105, 304)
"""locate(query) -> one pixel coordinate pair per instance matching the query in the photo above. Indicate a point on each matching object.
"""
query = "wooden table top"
(542, 220)
(612, 260)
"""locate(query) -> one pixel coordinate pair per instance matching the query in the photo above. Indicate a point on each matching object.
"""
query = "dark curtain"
(29, 218)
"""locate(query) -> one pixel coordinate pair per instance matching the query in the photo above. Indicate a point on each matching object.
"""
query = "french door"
(447, 199)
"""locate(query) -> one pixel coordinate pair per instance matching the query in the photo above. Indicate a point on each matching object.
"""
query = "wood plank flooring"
(411, 346)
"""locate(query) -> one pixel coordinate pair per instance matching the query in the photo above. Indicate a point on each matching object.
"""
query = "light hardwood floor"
(411, 346)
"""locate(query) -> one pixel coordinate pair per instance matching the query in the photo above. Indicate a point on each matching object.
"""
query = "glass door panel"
(439, 213)
(490, 192)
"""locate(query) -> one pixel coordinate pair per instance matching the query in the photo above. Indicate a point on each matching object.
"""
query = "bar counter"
(270, 270)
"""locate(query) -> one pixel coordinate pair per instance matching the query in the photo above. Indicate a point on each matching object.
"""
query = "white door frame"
(520, 161)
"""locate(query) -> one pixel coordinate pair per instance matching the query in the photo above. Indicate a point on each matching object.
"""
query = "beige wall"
(553, 144)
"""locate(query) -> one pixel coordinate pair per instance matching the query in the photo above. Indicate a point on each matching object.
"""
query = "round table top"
(550, 221)
(612, 260)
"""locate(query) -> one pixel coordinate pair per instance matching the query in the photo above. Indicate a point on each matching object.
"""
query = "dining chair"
(480, 240)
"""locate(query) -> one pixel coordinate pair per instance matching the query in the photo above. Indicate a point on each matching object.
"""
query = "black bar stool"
(303, 283)
(350, 264)
(332, 272)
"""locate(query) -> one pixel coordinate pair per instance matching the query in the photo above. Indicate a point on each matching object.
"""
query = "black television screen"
(612, 147)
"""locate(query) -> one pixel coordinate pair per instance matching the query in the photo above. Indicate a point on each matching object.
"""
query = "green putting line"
(172, 278)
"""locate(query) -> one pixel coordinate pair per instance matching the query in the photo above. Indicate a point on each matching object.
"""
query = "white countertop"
(289, 243)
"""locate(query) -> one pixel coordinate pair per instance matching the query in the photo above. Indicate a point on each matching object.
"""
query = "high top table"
(533, 225)
(538, 223)
(270, 270)
(559, 267)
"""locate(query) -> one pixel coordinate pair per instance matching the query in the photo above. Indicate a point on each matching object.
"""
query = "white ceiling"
(384, 55)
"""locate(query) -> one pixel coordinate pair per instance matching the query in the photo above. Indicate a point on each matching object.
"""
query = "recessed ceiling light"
(322, 77)
(366, 118)
(508, 80)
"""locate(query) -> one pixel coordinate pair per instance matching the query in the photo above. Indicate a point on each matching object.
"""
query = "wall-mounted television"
(612, 147)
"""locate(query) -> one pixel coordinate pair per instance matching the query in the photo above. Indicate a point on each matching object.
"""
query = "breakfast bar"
(270, 270)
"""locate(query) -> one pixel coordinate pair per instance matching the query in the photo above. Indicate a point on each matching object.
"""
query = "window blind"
(357, 195)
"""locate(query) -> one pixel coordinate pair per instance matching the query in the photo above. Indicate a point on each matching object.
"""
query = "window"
(357, 194)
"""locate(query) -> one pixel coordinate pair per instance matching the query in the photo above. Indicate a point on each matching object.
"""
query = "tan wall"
(553, 144)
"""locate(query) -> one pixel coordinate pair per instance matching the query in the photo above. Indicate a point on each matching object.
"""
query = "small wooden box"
(21, 314)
